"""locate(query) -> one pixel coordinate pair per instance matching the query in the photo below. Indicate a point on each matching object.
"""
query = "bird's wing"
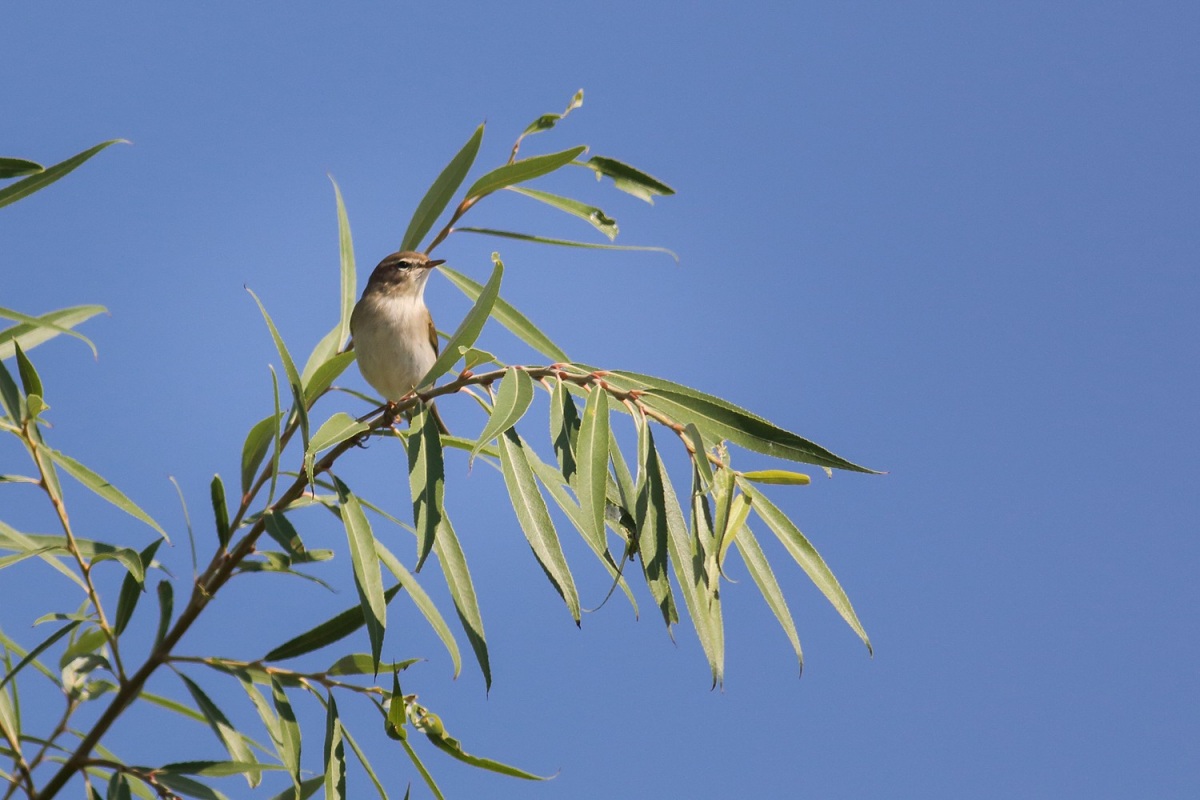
(433, 337)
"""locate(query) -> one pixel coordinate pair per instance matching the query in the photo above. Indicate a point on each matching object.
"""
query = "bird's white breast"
(391, 339)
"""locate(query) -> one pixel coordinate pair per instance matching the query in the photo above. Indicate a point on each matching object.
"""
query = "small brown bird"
(392, 330)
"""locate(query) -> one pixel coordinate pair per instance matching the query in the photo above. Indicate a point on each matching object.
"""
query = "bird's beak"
(437, 262)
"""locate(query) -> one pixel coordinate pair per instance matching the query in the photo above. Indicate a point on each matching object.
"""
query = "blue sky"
(956, 242)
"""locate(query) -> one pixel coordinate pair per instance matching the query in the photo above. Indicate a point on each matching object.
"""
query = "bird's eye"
(403, 265)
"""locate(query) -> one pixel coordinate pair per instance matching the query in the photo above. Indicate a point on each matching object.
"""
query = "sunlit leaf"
(469, 329)
(441, 192)
(547, 121)
(512, 401)
(425, 775)
(651, 515)
(589, 214)
(529, 237)
(254, 450)
(423, 603)
(27, 186)
(777, 476)
(522, 170)
(35, 330)
(230, 737)
(289, 369)
(335, 753)
(431, 726)
(592, 480)
(31, 656)
(535, 519)
(102, 487)
(289, 729)
(764, 577)
(332, 342)
(462, 592)
(564, 428)
(509, 317)
(326, 633)
(325, 374)
(335, 430)
(806, 556)
(367, 577)
(427, 480)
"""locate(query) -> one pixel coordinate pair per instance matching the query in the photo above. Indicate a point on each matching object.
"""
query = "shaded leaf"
(279, 528)
(289, 730)
(31, 656)
(31, 382)
(326, 633)
(185, 785)
(430, 725)
(651, 521)
(535, 519)
(335, 753)
(423, 603)
(628, 179)
(230, 737)
(18, 167)
(220, 511)
(547, 121)
(590, 214)
(427, 480)
(439, 195)
(132, 589)
(166, 609)
(509, 317)
(564, 428)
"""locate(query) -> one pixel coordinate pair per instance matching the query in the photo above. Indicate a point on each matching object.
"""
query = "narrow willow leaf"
(118, 788)
(529, 237)
(254, 450)
(173, 706)
(626, 488)
(427, 481)
(166, 609)
(547, 121)
(332, 342)
(448, 744)
(462, 591)
(564, 429)
(289, 369)
(535, 519)
(12, 539)
(31, 382)
(90, 550)
(220, 511)
(331, 630)
(307, 789)
(441, 192)
(739, 510)
(362, 759)
(132, 589)
(720, 419)
(628, 179)
(806, 556)
(335, 430)
(651, 516)
(31, 656)
(234, 744)
(18, 168)
(324, 375)
(423, 603)
(512, 401)
(516, 322)
(472, 358)
(35, 330)
(397, 714)
(103, 488)
(469, 329)
(764, 577)
(279, 528)
(590, 214)
(523, 170)
(699, 454)
(335, 753)
(214, 769)
(592, 481)
(11, 396)
(360, 664)
(425, 774)
(289, 730)
(183, 785)
(555, 485)
(277, 437)
(367, 577)
(27, 186)
(687, 556)
(10, 714)
(777, 476)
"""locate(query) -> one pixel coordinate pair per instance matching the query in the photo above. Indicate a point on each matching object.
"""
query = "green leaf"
(335, 753)
(423, 603)
(254, 450)
(547, 121)
(214, 769)
(367, 577)
(628, 179)
(720, 419)
(426, 479)
(132, 589)
(361, 664)
(699, 454)
(234, 744)
(471, 326)
(512, 401)
(289, 368)
(689, 557)
(508, 316)
(430, 725)
(529, 237)
(651, 522)
(289, 729)
(441, 192)
(462, 591)
(325, 374)
(30, 381)
(362, 759)
(764, 577)
(279, 528)
(18, 167)
(564, 429)
(332, 342)
(416, 760)
(592, 480)
(88, 549)
(589, 214)
(36, 330)
(166, 608)
(180, 784)
(220, 511)
(335, 430)
(805, 555)
(397, 715)
(777, 476)
(523, 170)
(11, 396)
(27, 186)
(535, 519)
(331, 630)
(31, 656)
(102, 487)
(118, 787)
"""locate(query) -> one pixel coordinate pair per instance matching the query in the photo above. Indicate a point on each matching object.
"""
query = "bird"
(392, 330)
